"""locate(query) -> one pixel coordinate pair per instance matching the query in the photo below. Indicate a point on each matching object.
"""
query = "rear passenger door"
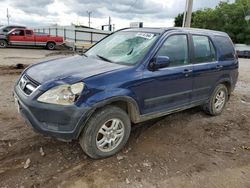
(29, 37)
(206, 69)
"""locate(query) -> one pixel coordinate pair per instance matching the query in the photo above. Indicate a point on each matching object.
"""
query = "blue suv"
(131, 76)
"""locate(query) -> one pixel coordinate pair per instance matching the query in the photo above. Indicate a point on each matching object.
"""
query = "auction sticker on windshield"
(145, 35)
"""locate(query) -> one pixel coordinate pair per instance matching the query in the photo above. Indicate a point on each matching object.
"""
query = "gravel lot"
(187, 149)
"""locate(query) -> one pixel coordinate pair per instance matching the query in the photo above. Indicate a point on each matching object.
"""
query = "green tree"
(230, 18)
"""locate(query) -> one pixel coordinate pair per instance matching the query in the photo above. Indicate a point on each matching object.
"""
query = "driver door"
(17, 37)
(170, 87)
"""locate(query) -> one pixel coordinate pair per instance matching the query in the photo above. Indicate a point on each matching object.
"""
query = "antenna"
(8, 16)
(89, 13)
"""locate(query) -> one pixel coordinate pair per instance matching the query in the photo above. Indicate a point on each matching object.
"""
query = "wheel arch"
(225, 80)
(128, 104)
(50, 41)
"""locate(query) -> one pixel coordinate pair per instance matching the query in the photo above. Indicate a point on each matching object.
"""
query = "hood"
(74, 68)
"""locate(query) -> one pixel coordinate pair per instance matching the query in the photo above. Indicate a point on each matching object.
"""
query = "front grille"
(27, 85)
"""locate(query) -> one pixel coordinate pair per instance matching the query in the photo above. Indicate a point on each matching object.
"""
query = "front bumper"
(63, 122)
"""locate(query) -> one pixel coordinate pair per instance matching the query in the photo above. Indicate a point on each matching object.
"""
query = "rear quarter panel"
(41, 39)
(230, 70)
(45, 39)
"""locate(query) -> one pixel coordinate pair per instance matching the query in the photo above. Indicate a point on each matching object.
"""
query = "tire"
(50, 45)
(101, 123)
(217, 101)
(3, 43)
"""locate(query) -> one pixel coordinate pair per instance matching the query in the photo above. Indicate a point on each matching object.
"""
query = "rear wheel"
(51, 45)
(217, 100)
(3, 44)
(106, 132)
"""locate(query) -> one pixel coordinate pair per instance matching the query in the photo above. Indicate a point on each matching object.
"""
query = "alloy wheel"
(110, 135)
(220, 100)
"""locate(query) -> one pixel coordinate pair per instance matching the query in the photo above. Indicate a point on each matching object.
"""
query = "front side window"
(176, 49)
(123, 47)
(203, 49)
(18, 33)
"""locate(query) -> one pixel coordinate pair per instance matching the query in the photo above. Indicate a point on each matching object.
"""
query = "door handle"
(219, 66)
(187, 72)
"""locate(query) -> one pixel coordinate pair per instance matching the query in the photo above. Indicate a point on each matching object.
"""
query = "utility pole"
(184, 14)
(8, 16)
(187, 14)
(89, 14)
(110, 27)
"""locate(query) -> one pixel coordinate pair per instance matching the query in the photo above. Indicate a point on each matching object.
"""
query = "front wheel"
(3, 44)
(217, 101)
(106, 132)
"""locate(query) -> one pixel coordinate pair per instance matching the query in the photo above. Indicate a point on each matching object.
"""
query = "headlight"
(63, 94)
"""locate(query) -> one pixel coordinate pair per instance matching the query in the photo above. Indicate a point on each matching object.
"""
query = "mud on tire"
(217, 101)
(106, 132)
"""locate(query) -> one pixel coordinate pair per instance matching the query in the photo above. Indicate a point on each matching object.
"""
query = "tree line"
(232, 18)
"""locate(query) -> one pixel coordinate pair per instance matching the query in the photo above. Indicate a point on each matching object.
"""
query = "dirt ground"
(188, 149)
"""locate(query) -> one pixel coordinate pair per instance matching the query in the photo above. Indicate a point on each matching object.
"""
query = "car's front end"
(48, 94)
(59, 98)
(53, 113)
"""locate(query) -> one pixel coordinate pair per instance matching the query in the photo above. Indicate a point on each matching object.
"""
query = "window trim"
(188, 46)
(193, 48)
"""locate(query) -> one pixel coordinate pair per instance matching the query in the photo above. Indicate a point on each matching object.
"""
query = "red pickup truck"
(27, 37)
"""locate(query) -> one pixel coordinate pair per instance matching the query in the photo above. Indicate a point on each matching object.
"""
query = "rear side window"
(176, 48)
(226, 48)
(203, 49)
(28, 32)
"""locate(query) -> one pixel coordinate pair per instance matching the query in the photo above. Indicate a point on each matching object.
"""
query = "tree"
(230, 18)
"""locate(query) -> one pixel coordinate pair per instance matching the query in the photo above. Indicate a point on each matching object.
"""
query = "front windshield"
(123, 47)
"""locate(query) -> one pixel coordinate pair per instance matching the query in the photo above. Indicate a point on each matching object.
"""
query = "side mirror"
(159, 62)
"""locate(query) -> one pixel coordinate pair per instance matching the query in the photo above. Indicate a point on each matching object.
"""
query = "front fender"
(104, 98)
(111, 95)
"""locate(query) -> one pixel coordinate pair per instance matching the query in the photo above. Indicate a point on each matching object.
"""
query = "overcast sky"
(154, 13)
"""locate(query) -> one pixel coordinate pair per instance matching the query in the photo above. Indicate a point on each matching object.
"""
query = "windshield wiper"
(104, 58)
